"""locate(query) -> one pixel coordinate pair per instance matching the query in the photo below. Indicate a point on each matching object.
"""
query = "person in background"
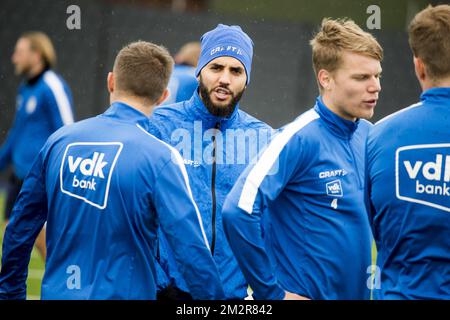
(44, 104)
(183, 82)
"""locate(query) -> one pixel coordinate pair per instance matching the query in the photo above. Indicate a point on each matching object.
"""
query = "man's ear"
(110, 82)
(419, 68)
(36, 58)
(324, 78)
(163, 97)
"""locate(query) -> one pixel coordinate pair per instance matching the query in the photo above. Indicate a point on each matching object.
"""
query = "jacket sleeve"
(242, 214)
(27, 219)
(181, 224)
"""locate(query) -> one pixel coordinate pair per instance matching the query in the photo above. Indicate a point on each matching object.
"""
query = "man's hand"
(293, 296)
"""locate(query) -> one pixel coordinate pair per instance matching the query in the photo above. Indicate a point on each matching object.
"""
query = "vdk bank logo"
(334, 188)
(86, 170)
(422, 174)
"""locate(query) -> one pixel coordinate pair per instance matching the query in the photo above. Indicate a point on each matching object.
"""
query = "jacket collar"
(435, 94)
(197, 109)
(31, 81)
(126, 113)
(337, 125)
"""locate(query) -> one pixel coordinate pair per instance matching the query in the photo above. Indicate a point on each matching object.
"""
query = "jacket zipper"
(213, 192)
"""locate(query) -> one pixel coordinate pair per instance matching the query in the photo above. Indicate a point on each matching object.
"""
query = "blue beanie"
(228, 41)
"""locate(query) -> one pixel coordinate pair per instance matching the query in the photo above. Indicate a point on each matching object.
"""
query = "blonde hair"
(41, 43)
(143, 69)
(429, 39)
(336, 36)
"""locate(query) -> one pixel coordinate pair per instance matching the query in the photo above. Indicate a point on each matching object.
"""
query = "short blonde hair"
(41, 43)
(337, 36)
(429, 38)
(143, 69)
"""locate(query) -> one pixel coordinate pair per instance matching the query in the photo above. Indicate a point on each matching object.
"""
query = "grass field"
(36, 267)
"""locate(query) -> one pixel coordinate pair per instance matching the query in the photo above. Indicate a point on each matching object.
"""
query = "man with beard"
(44, 104)
(217, 141)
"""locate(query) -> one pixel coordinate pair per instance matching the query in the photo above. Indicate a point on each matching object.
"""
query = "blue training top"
(105, 186)
(309, 182)
(408, 176)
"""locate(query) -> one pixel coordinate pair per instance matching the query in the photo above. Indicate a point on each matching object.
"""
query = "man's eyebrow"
(368, 72)
(363, 74)
(216, 65)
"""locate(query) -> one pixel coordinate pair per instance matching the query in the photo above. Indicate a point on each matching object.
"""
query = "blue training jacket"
(43, 106)
(105, 185)
(215, 151)
(309, 182)
(408, 175)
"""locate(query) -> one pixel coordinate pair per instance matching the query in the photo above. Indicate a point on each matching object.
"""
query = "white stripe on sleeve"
(57, 88)
(268, 158)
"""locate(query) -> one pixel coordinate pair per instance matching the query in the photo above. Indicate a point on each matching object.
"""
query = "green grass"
(36, 267)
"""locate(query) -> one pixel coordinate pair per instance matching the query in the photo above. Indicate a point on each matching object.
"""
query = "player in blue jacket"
(44, 104)
(317, 242)
(183, 82)
(105, 186)
(408, 173)
(217, 141)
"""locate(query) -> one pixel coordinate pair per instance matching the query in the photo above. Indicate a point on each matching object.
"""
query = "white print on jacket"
(86, 171)
(422, 175)
(31, 105)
